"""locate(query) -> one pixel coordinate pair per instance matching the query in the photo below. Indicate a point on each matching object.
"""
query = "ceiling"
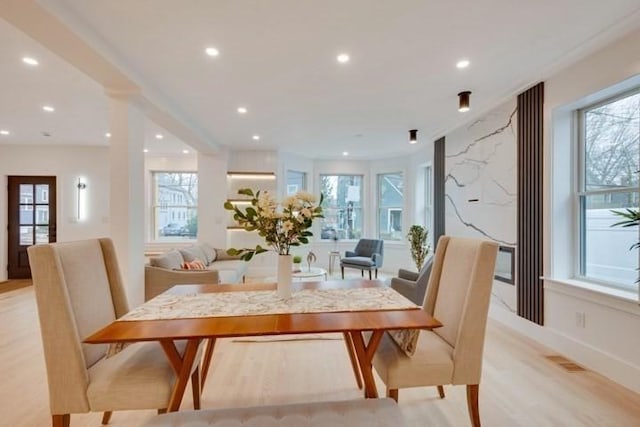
(278, 59)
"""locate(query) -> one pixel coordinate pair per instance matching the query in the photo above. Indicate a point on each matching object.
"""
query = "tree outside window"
(342, 206)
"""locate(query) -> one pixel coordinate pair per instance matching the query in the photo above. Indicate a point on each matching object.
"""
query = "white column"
(126, 160)
(212, 193)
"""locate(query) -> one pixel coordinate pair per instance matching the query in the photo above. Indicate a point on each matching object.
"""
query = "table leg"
(354, 360)
(182, 366)
(365, 355)
(208, 354)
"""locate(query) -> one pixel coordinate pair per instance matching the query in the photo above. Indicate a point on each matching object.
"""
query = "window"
(296, 181)
(428, 200)
(342, 206)
(608, 180)
(390, 201)
(175, 205)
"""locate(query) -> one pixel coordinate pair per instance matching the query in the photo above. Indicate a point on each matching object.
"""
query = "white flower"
(287, 226)
(306, 212)
(289, 202)
(305, 196)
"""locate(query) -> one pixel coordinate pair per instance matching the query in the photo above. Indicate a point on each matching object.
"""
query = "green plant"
(631, 219)
(417, 237)
(297, 259)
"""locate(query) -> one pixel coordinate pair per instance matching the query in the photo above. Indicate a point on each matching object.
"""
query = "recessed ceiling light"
(185, 151)
(345, 153)
(108, 135)
(48, 108)
(146, 150)
(4, 132)
(343, 58)
(30, 61)
(256, 137)
(159, 136)
(463, 63)
(242, 110)
(212, 51)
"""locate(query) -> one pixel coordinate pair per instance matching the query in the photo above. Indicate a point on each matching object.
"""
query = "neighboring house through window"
(390, 202)
(175, 205)
(296, 181)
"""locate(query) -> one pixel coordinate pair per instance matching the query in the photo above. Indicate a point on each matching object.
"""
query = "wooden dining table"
(352, 324)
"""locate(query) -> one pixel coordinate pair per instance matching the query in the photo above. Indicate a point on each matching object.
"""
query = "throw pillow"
(406, 339)
(209, 252)
(196, 264)
(115, 348)
(192, 253)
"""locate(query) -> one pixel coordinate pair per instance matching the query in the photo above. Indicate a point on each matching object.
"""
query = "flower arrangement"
(282, 225)
(417, 238)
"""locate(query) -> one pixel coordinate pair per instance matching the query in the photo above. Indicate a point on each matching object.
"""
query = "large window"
(390, 201)
(175, 205)
(608, 180)
(342, 206)
(296, 181)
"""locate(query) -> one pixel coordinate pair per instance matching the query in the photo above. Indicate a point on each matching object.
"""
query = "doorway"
(32, 219)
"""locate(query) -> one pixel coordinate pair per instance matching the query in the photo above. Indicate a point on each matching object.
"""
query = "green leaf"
(233, 252)
(303, 240)
(246, 192)
(228, 205)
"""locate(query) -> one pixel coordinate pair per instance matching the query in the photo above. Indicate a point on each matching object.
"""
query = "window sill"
(593, 292)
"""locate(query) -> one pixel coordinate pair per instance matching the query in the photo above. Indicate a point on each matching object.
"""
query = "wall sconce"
(81, 186)
(413, 136)
(463, 105)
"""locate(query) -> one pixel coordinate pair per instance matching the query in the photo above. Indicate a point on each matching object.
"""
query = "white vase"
(284, 276)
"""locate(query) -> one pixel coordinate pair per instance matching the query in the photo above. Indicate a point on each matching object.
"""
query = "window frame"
(362, 207)
(580, 192)
(304, 181)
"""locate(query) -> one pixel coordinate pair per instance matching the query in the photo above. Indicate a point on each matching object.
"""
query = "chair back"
(78, 290)
(458, 295)
(368, 247)
(423, 280)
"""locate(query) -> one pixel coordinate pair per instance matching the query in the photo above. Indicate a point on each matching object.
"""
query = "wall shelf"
(251, 175)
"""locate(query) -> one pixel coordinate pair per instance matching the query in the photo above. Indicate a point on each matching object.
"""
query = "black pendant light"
(413, 136)
(463, 105)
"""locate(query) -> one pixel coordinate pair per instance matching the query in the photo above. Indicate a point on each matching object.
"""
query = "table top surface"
(312, 272)
(270, 324)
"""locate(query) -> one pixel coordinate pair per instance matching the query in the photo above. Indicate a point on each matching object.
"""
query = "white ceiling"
(277, 58)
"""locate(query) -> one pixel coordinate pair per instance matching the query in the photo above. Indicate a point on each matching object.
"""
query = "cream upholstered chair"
(79, 290)
(458, 296)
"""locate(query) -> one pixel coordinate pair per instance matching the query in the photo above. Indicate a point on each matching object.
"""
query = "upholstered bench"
(348, 413)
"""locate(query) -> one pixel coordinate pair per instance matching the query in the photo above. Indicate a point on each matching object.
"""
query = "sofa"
(170, 268)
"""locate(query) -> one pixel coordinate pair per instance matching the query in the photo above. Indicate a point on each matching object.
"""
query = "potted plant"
(631, 219)
(417, 238)
(297, 260)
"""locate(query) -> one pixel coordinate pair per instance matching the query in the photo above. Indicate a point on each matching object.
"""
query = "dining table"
(202, 314)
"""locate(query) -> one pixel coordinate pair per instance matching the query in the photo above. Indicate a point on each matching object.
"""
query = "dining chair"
(458, 296)
(367, 255)
(79, 290)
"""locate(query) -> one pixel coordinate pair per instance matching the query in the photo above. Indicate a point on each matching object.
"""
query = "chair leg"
(472, 403)
(342, 270)
(362, 273)
(60, 420)
(195, 387)
(370, 275)
(393, 394)
(162, 411)
(106, 417)
(441, 391)
(376, 273)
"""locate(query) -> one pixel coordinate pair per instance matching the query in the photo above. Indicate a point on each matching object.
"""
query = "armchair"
(413, 285)
(367, 255)
(78, 290)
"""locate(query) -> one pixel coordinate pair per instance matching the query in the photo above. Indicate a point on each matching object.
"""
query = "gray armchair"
(366, 256)
(412, 285)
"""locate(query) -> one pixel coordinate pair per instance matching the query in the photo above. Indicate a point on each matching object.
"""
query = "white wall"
(66, 163)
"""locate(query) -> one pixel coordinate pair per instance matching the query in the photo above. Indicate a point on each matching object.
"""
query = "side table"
(333, 255)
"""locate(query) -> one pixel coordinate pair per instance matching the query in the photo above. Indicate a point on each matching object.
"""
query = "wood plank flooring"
(520, 387)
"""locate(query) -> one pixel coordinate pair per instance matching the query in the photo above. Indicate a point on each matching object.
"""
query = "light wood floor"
(519, 387)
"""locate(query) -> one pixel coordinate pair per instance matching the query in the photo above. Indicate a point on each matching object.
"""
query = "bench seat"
(347, 413)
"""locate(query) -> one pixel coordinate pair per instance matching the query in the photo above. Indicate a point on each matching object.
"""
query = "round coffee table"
(312, 273)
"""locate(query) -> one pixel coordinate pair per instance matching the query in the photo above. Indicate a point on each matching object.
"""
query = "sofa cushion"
(358, 260)
(191, 253)
(170, 260)
(209, 252)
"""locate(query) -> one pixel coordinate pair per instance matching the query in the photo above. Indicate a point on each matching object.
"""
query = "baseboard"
(586, 355)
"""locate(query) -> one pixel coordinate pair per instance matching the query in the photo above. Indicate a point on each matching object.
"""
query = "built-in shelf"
(235, 227)
(241, 201)
(251, 175)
